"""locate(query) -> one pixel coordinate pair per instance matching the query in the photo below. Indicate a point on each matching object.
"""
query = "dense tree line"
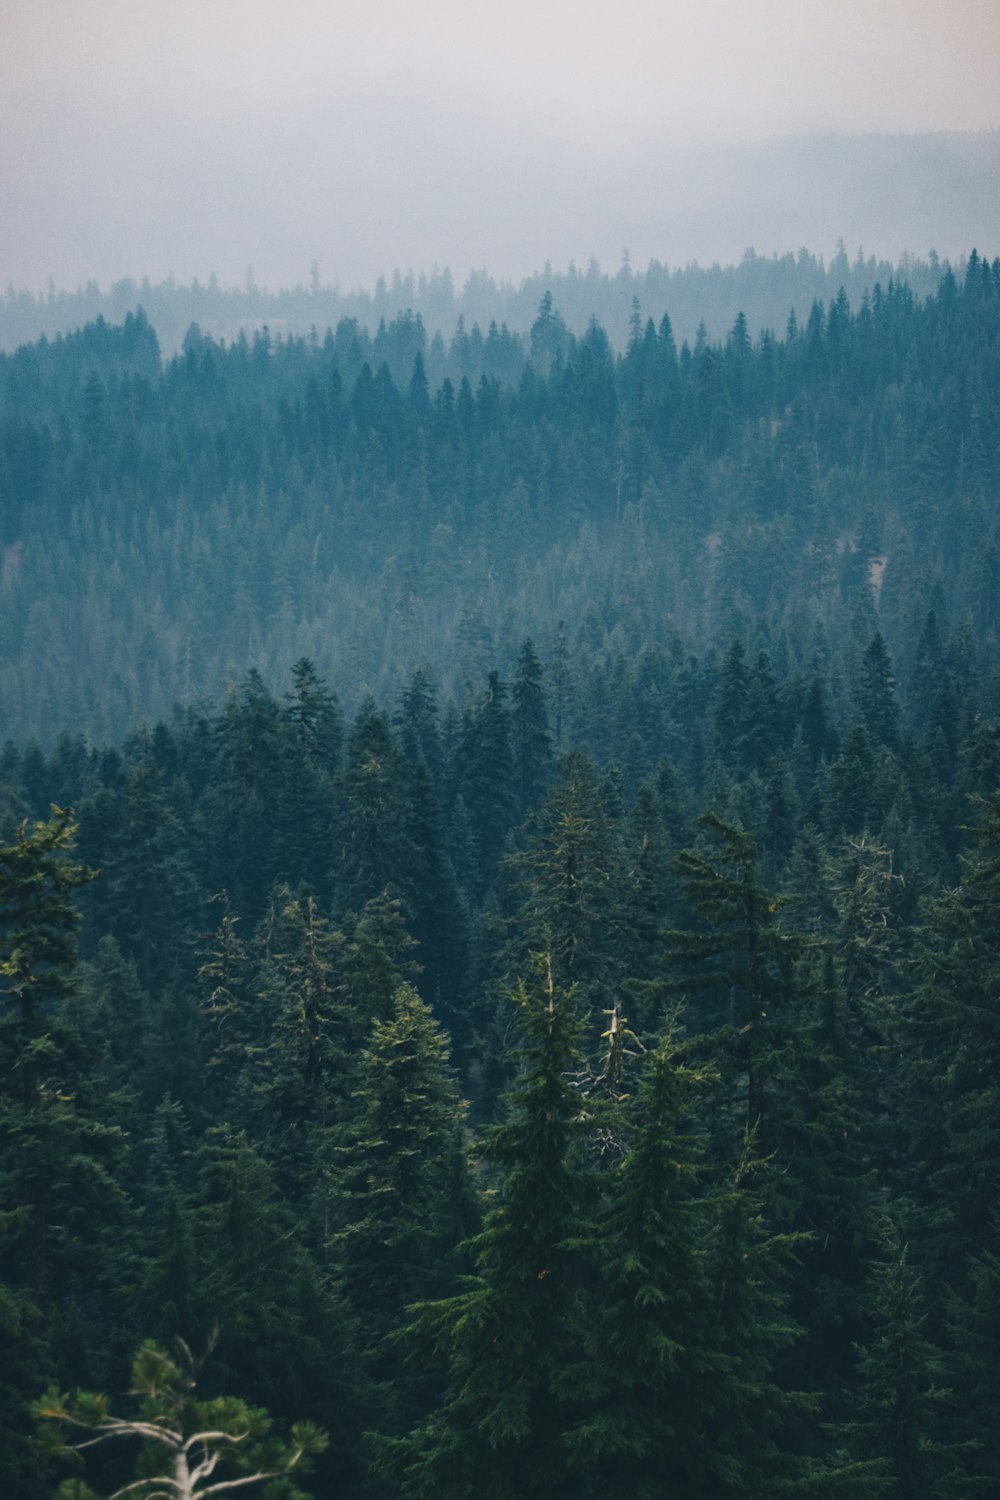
(376, 501)
(556, 1053)
(725, 1226)
(765, 287)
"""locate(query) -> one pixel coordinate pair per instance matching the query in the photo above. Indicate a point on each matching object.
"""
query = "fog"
(158, 138)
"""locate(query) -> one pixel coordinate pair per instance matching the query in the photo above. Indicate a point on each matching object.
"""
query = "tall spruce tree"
(511, 1341)
(652, 1364)
(401, 1199)
(63, 1216)
(744, 964)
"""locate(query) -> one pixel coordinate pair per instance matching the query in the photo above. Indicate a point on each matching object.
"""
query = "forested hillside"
(765, 287)
(378, 503)
(519, 981)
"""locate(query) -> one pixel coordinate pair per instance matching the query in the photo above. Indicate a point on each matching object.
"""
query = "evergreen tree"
(899, 1402)
(953, 1051)
(63, 1216)
(571, 875)
(530, 738)
(400, 1189)
(510, 1342)
(745, 964)
(654, 1368)
(875, 699)
(207, 1447)
(372, 850)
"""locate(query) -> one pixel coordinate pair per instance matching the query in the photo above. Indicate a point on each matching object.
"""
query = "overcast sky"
(142, 137)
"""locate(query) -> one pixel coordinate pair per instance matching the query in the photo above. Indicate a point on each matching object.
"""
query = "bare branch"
(214, 1437)
(117, 1427)
(206, 1467)
(139, 1484)
(235, 1484)
(112, 1427)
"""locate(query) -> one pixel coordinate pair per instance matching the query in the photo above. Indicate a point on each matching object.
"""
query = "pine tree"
(511, 1340)
(64, 1219)
(38, 932)
(297, 1076)
(652, 1366)
(191, 1449)
(952, 1025)
(747, 1411)
(570, 873)
(401, 1199)
(311, 752)
(371, 849)
(530, 738)
(899, 1404)
(285, 1334)
(745, 960)
(875, 699)
(973, 1325)
(486, 778)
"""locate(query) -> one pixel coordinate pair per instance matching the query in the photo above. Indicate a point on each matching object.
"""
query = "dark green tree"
(191, 1449)
(530, 738)
(654, 1366)
(900, 1404)
(744, 965)
(510, 1342)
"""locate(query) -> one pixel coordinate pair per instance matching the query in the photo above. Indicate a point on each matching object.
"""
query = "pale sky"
(147, 136)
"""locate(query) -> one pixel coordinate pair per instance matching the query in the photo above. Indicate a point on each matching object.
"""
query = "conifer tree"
(510, 1342)
(530, 738)
(570, 872)
(372, 849)
(952, 1024)
(63, 1216)
(972, 1317)
(486, 778)
(400, 1198)
(38, 932)
(748, 1412)
(191, 1449)
(744, 960)
(875, 698)
(311, 752)
(900, 1406)
(652, 1364)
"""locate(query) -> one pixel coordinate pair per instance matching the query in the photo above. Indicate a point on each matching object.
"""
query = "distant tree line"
(377, 502)
(765, 287)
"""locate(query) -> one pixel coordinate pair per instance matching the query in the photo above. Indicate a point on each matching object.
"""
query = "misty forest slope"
(166, 527)
(519, 982)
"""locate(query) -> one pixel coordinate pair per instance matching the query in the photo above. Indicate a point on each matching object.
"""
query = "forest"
(499, 883)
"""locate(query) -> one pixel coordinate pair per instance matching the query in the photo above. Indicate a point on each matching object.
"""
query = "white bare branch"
(139, 1484)
(235, 1484)
(206, 1466)
(214, 1437)
(118, 1427)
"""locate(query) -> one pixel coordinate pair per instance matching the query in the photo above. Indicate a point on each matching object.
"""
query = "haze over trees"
(518, 983)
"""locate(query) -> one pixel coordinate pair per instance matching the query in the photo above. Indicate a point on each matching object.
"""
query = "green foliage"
(745, 959)
(723, 554)
(38, 932)
(510, 1341)
(899, 1402)
(206, 1447)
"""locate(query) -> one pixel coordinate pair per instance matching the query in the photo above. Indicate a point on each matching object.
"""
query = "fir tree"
(511, 1340)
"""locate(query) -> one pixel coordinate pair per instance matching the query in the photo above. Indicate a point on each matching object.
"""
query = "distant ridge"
(505, 205)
